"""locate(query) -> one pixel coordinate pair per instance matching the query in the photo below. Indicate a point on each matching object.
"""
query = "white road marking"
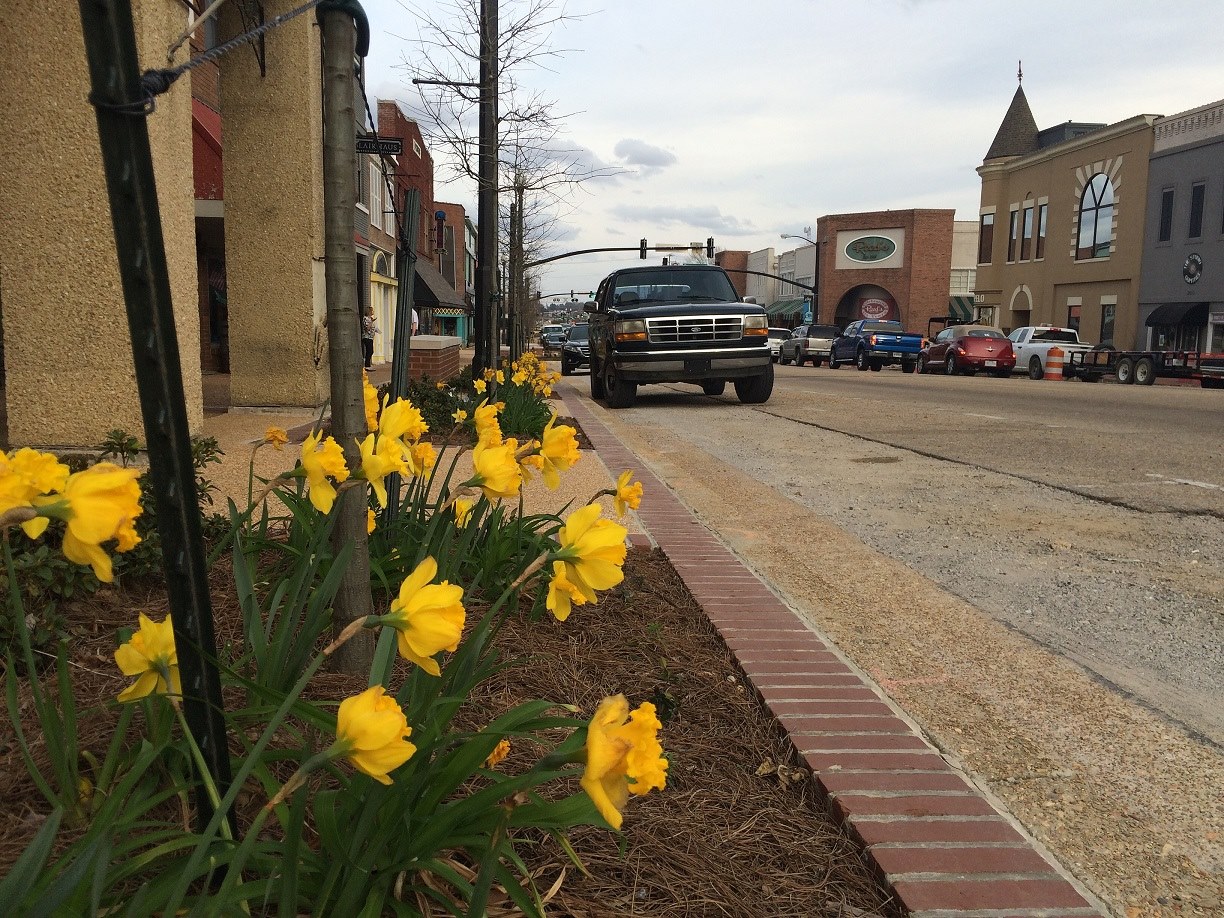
(990, 417)
(1186, 481)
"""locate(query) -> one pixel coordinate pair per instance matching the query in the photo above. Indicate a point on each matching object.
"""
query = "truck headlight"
(629, 330)
(755, 325)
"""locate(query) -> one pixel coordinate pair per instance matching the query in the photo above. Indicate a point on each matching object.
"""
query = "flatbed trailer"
(1145, 367)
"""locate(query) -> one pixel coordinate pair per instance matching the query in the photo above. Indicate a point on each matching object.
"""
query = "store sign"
(1192, 270)
(875, 309)
(867, 249)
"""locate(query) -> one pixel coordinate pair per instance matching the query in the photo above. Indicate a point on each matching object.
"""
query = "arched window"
(380, 265)
(1095, 218)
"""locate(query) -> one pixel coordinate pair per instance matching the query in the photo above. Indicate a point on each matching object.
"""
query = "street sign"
(807, 315)
(384, 145)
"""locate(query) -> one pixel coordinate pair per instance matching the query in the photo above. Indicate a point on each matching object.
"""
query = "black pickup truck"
(676, 323)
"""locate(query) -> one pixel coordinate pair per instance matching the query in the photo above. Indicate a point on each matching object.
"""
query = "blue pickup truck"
(872, 344)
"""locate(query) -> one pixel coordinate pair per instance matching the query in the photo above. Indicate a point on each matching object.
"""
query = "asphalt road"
(1033, 570)
(1159, 449)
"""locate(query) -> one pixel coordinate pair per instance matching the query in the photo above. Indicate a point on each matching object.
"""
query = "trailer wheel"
(1145, 371)
(1125, 371)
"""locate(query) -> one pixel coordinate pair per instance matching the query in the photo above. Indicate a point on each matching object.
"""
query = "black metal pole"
(120, 103)
(487, 350)
(401, 346)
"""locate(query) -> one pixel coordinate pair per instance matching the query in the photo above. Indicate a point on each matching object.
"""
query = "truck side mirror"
(750, 299)
(589, 307)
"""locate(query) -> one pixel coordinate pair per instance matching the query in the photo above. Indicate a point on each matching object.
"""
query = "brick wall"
(435, 357)
(739, 262)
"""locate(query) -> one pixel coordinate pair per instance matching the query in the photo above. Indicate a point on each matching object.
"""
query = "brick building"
(893, 264)
(736, 264)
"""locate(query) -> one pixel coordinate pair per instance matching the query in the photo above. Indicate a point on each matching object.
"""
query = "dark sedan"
(967, 349)
(576, 349)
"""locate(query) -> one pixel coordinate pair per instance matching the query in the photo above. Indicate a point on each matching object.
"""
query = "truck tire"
(798, 358)
(597, 383)
(833, 364)
(1145, 372)
(755, 390)
(713, 386)
(566, 369)
(861, 363)
(909, 366)
(1035, 368)
(1125, 371)
(876, 366)
(620, 393)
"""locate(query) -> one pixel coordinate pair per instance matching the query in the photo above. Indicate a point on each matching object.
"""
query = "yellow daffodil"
(440, 386)
(562, 594)
(421, 458)
(427, 617)
(375, 467)
(321, 460)
(98, 504)
(558, 451)
(276, 436)
(497, 471)
(593, 551)
(370, 520)
(478, 385)
(460, 416)
(370, 396)
(628, 495)
(500, 377)
(623, 756)
(499, 753)
(401, 420)
(488, 375)
(463, 511)
(372, 731)
(25, 475)
(519, 377)
(485, 419)
(149, 655)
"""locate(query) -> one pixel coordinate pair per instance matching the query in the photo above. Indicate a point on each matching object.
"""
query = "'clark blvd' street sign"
(385, 145)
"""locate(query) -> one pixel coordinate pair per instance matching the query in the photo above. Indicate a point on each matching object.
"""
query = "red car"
(967, 349)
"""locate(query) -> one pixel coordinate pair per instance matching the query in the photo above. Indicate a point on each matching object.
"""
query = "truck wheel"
(619, 393)
(713, 386)
(876, 366)
(597, 383)
(1035, 370)
(907, 366)
(566, 369)
(833, 364)
(755, 390)
(1125, 371)
(817, 361)
(1145, 372)
(798, 358)
(861, 362)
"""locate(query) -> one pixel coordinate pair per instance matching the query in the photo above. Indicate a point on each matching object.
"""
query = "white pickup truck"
(1032, 344)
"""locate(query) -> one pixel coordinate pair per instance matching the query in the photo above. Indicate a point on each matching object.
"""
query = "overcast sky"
(745, 120)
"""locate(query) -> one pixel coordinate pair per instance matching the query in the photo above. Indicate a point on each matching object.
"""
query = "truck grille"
(695, 328)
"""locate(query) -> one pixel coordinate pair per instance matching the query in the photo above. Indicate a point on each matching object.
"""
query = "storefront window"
(1215, 338)
(1107, 324)
(1073, 317)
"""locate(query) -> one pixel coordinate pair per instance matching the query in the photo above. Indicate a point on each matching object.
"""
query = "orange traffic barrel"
(1054, 363)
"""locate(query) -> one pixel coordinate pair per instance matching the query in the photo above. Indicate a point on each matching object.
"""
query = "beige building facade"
(68, 372)
(1061, 225)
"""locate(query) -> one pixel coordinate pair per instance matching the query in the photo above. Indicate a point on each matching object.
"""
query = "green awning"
(961, 308)
(785, 307)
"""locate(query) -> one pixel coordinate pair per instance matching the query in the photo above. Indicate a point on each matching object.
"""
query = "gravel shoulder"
(1074, 675)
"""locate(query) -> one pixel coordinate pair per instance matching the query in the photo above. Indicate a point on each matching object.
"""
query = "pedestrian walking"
(369, 328)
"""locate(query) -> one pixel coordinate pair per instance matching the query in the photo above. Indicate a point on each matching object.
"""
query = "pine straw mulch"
(728, 837)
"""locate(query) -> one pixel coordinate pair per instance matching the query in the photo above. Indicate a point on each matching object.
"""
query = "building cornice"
(1099, 136)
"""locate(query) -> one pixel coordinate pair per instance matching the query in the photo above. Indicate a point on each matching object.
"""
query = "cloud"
(640, 153)
(706, 219)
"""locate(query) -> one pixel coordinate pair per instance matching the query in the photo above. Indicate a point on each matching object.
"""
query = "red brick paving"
(940, 844)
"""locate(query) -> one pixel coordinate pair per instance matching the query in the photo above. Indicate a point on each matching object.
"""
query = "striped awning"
(961, 308)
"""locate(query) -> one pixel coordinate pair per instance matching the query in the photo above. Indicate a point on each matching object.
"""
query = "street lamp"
(806, 230)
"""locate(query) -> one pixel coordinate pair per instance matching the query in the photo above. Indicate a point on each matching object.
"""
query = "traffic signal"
(642, 250)
(710, 247)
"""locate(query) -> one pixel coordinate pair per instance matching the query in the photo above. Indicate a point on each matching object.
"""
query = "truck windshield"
(673, 287)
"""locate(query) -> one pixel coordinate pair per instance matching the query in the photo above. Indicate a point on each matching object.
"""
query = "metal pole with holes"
(122, 104)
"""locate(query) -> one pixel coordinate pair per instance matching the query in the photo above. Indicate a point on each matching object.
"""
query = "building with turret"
(1060, 237)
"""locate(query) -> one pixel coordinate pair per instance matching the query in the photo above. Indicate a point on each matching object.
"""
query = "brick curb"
(943, 847)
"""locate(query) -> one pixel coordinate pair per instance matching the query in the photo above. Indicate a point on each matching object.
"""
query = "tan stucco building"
(1061, 224)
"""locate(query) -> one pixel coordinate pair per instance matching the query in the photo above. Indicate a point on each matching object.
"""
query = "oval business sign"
(874, 309)
(870, 248)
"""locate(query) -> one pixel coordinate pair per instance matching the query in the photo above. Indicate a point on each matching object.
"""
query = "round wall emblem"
(870, 248)
(1192, 269)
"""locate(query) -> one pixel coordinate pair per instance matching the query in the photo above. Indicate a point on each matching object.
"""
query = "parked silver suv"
(808, 343)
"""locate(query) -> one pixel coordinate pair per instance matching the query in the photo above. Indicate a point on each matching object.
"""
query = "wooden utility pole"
(348, 424)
